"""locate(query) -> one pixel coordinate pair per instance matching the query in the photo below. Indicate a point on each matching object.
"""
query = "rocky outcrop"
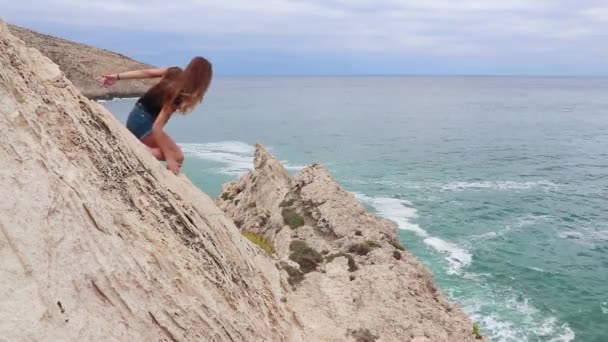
(98, 242)
(83, 64)
(351, 277)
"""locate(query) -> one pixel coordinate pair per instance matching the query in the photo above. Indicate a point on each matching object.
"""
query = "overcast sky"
(294, 37)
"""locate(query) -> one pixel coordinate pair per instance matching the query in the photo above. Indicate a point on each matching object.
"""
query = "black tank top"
(152, 100)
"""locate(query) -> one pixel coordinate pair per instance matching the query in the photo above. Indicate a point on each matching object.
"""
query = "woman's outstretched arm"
(110, 79)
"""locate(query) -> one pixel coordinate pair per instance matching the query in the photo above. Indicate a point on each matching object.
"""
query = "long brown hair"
(190, 86)
(165, 89)
(171, 74)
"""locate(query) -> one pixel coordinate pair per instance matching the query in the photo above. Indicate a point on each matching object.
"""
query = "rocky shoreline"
(350, 276)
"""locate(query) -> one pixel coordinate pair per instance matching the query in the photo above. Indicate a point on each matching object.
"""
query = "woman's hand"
(170, 150)
(174, 166)
(108, 80)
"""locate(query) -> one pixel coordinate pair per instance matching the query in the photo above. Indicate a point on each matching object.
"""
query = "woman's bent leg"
(175, 156)
(153, 147)
(157, 153)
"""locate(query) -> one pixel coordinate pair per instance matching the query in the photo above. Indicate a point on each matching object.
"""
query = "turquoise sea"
(498, 184)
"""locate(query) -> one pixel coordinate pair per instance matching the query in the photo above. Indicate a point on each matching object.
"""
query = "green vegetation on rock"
(295, 276)
(305, 256)
(363, 335)
(260, 241)
(352, 266)
(292, 219)
(226, 196)
(286, 203)
(363, 248)
(397, 244)
(477, 332)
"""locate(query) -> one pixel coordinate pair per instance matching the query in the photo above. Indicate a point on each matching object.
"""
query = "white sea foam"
(455, 186)
(116, 99)
(537, 269)
(525, 319)
(566, 334)
(547, 327)
(402, 213)
(497, 185)
(570, 235)
(589, 236)
(503, 331)
(604, 307)
(519, 224)
(235, 155)
(498, 329)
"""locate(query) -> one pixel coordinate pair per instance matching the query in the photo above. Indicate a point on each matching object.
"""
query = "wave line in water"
(496, 185)
(402, 213)
(458, 186)
(504, 315)
(117, 99)
(508, 317)
(237, 156)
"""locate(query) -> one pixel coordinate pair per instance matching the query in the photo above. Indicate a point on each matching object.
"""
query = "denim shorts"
(140, 122)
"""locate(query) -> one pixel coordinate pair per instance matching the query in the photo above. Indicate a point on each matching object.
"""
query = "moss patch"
(252, 205)
(363, 248)
(363, 335)
(477, 332)
(305, 256)
(352, 265)
(292, 219)
(260, 241)
(286, 203)
(226, 196)
(395, 243)
(295, 276)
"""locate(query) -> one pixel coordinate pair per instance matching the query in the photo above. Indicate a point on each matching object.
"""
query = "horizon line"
(415, 75)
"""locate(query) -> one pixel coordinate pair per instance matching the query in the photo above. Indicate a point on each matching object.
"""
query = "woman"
(177, 91)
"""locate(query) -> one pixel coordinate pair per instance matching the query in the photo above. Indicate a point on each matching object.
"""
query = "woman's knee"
(149, 141)
(157, 153)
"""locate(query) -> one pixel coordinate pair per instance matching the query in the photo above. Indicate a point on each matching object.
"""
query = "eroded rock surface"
(365, 286)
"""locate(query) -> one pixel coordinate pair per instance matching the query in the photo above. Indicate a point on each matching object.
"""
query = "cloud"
(476, 28)
(596, 13)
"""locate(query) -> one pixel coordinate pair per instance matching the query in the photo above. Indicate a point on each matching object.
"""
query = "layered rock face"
(83, 64)
(351, 278)
(99, 243)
